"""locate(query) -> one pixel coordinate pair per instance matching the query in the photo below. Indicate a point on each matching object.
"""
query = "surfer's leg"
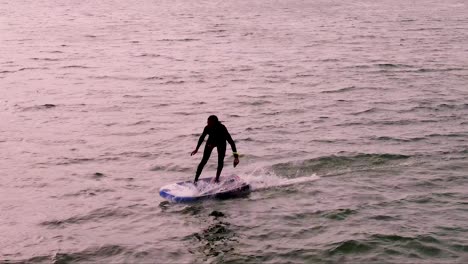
(221, 153)
(206, 156)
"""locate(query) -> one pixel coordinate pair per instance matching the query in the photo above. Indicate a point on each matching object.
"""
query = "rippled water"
(351, 119)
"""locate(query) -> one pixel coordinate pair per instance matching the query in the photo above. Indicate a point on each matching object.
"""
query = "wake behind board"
(182, 192)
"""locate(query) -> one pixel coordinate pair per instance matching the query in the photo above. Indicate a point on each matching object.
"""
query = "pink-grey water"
(351, 118)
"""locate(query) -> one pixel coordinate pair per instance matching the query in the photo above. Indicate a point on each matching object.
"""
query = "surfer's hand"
(194, 152)
(236, 161)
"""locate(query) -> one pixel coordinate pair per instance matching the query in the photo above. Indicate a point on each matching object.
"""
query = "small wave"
(342, 90)
(256, 103)
(1, 72)
(39, 107)
(45, 59)
(419, 246)
(179, 40)
(173, 82)
(450, 135)
(370, 111)
(142, 122)
(32, 68)
(423, 70)
(436, 108)
(154, 78)
(216, 31)
(75, 67)
(384, 138)
(382, 122)
(391, 65)
(95, 215)
(88, 192)
(175, 168)
(69, 161)
(94, 254)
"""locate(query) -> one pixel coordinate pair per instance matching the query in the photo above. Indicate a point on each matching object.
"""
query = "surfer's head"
(212, 120)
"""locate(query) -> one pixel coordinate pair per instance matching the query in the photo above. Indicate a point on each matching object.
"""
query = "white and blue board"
(182, 192)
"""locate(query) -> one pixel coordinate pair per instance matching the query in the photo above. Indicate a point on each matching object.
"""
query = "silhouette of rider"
(218, 135)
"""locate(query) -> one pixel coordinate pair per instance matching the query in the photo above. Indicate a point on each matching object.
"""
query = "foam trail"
(266, 179)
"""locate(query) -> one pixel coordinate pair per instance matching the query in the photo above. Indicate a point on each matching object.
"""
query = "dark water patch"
(215, 241)
(339, 214)
(255, 103)
(97, 215)
(350, 247)
(217, 214)
(459, 247)
(97, 175)
(385, 218)
(333, 164)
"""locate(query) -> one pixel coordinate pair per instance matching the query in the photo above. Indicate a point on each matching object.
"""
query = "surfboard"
(183, 192)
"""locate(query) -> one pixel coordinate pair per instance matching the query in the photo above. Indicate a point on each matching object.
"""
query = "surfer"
(218, 135)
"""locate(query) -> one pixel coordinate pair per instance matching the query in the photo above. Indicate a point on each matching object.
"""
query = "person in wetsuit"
(218, 135)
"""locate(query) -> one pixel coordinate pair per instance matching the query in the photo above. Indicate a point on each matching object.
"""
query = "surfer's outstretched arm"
(233, 147)
(200, 141)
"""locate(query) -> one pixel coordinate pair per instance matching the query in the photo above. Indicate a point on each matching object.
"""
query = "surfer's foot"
(195, 183)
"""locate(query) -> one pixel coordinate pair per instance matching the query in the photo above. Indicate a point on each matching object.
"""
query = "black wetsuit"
(218, 135)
